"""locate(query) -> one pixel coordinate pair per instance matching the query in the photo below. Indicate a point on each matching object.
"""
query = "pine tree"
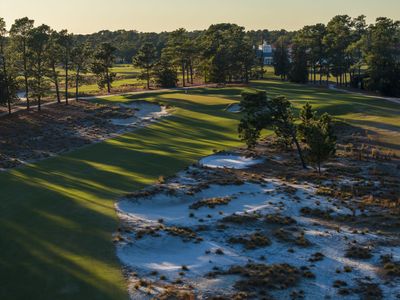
(19, 33)
(165, 75)
(320, 140)
(81, 56)
(38, 43)
(260, 113)
(145, 59)
(299, 72)
(103, 61)
(281, 59)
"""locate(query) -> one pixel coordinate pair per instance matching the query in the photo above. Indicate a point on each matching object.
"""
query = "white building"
(266, 51)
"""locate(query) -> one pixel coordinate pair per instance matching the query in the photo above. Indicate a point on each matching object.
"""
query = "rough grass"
(57, 216)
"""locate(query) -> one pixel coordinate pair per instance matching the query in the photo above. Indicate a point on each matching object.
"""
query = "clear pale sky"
(87, 16)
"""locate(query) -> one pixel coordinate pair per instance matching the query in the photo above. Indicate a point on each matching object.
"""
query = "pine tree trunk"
(108, 82)
(39, 86)
(315, 74)
(66, 82)
(55, 77)
(7, 87)
(39, 96)
(320, 75)
(191, 72)
(26, 77)
(327, 78)
(183, 74)
(28, 106)
(5, 78)
(9, 103)
(246, 76)
(77, 85)
(299, 151)
(187, 73)
(108, 85)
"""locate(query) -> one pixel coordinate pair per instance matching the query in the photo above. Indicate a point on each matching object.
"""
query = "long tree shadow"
(57, 215)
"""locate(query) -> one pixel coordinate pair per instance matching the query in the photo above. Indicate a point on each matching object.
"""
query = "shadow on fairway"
(57, 216)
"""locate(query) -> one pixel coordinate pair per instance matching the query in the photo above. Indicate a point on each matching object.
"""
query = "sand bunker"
(144, 112)
(231, 161)
(191, 232)
(234, 108)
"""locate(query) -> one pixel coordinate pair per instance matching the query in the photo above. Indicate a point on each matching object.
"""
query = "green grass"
(125, 69)
(380, 118)
(57, 216)
(94, 88)
(126, 75)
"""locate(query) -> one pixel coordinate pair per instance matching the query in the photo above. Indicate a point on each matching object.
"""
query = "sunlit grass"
(58, 215)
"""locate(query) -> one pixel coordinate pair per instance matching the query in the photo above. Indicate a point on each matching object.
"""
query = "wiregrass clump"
(252, 241)
(211, 203)
(358, 252)
(279, 219)
(261, 276)
(297, 238)
(241, 218)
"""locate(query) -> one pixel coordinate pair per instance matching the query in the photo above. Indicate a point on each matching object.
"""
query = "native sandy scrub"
(31, 136)
(252, 225)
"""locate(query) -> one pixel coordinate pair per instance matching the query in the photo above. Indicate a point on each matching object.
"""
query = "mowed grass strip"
(57, 216)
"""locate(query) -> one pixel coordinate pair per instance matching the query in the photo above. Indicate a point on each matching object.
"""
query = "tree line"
(38, 59)
(41, 61)
(354, 53)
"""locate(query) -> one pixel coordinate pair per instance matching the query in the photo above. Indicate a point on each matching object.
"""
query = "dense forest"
(349, 52)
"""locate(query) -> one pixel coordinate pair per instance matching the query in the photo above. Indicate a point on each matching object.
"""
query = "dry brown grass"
(359, 252)
(252, 241)
(211, 203)
(242, 218)
(183, 232)
(261, 276)
(172, 293)
(279, 219)
(294, 237)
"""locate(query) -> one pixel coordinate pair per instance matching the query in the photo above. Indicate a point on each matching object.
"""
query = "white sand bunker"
(179, 232)
(144, 112)
(230, 161)
(234, 108)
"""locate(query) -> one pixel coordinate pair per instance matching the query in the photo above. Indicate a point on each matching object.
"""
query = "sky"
(87, 16)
